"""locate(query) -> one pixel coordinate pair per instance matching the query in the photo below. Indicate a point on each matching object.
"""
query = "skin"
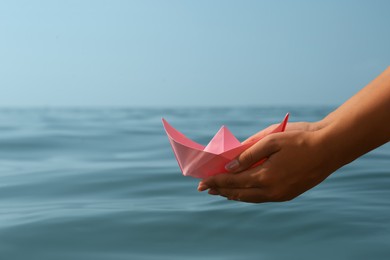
(307, 153)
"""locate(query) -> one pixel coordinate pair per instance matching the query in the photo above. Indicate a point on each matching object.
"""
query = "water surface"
(104, 184)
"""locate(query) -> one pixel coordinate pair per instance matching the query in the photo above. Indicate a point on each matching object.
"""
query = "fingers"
(252, 195)
(248, 186)
(261, 134)
(295, 126)
(229, 180)
(261, 150)
(269, 130)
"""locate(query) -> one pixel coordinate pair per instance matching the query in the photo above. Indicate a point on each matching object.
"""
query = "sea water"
(104, 184)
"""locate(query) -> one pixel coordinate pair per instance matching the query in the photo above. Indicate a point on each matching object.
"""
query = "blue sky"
(189, 53)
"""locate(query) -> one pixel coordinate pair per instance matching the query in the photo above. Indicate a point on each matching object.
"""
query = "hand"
(304, 155)
(297, 161)
(295, 126)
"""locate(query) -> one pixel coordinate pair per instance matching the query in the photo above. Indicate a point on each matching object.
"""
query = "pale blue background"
(189, 53)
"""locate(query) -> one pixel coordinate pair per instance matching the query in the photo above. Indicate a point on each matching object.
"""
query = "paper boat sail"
(201, 161)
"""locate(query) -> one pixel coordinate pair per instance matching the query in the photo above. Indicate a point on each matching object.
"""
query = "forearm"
(360, 124)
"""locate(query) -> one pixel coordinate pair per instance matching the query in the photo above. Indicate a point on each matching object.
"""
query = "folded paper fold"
(201, 161)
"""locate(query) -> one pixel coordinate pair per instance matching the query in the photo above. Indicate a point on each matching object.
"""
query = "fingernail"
(233, 165)
(202, 187)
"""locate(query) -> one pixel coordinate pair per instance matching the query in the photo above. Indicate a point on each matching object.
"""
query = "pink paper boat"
(203, 161)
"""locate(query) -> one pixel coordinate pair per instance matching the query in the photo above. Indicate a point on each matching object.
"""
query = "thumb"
(253, 155)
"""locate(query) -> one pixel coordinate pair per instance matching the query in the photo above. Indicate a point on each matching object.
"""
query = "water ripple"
(104, 184)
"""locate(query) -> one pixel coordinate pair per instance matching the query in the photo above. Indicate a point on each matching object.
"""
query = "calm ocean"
(104, 184)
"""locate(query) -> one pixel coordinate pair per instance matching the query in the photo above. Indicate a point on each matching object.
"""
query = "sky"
(189, 53)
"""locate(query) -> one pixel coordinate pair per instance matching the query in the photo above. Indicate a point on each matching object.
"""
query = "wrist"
(335, 142)
(339, 143)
